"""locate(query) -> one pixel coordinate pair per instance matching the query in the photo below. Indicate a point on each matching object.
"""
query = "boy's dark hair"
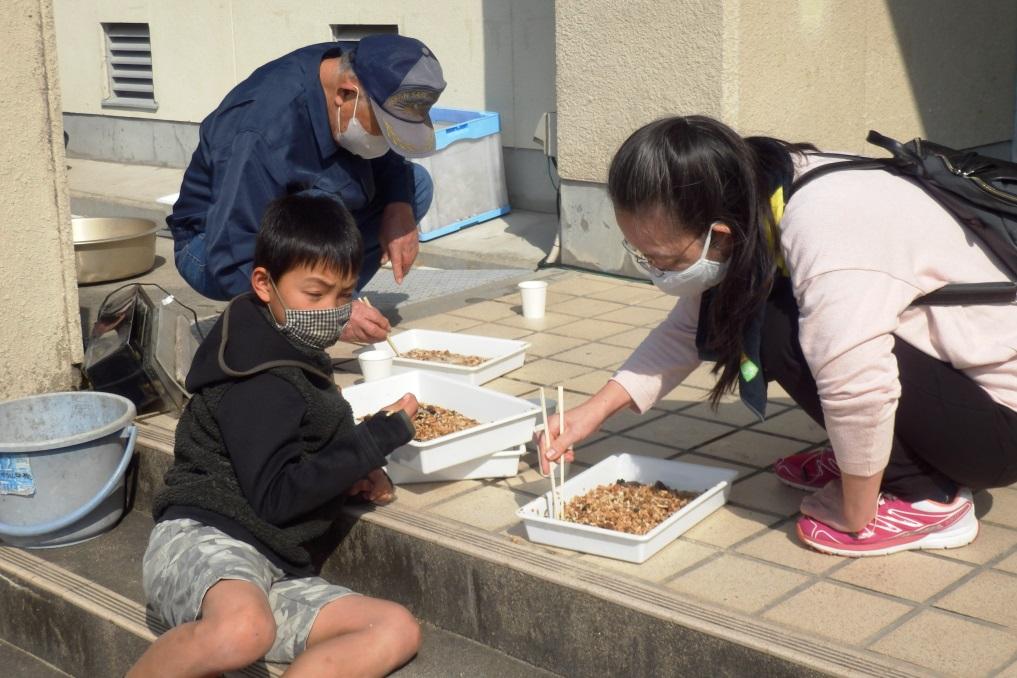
(311, 229)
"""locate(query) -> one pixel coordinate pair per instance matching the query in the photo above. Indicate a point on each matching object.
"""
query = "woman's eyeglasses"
(642, 261)
(655, 271)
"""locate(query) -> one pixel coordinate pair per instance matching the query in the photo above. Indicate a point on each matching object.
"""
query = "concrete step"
(81, 608)
(17, 662)
(562, 615)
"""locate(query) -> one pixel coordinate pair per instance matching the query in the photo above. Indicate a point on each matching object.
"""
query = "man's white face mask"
(358, 140)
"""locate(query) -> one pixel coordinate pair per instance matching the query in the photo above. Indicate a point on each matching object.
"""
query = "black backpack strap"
(897, 149)
(955, 294)
(970, 294)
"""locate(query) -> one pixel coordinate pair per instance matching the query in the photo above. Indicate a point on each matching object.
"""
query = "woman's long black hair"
(697, 171)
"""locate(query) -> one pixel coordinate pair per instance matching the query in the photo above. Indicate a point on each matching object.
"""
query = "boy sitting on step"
(266, 451)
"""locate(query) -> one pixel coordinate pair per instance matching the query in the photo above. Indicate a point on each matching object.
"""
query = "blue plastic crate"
(453, 124)
(467, 170)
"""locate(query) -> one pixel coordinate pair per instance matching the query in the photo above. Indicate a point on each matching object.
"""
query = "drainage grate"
(422, 284)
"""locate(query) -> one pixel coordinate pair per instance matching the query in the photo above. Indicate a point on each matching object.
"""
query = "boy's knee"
(404, 631)
(240, 639)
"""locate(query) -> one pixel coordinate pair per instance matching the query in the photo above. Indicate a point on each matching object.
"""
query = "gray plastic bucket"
(79, 445)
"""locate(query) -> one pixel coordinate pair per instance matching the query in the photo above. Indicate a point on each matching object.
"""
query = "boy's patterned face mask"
(318, 328)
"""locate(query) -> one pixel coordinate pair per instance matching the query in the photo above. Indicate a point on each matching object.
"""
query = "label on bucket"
(16, 475)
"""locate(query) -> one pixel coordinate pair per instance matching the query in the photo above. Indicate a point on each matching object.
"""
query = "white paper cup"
(534, 294)
(375, 364)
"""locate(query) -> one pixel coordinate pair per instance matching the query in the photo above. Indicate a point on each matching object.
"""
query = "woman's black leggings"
(948, 431)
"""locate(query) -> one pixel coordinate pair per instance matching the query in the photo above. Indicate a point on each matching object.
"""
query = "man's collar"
(316, 104)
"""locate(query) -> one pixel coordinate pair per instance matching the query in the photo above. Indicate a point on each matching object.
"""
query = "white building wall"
(496, 54)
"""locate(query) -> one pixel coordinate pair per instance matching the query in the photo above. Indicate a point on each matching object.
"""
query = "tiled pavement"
(943, 612)
(946, 611)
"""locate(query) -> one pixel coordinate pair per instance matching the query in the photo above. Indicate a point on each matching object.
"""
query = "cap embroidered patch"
(403, 80)
(402, 145)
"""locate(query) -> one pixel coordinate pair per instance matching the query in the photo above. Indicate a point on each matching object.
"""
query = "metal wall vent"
(129, 65)
(354, 32)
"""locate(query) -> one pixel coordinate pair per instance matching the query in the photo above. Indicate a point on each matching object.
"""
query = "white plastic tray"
(504, 355)
(506, 421)
(714, 483)
(504, 464)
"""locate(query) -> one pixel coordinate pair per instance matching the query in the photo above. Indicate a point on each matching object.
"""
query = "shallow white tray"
(504, 355)
(504, 464)
(714, 483)
(505, 421)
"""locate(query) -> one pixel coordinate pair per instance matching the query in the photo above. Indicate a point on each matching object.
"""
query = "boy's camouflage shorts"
(185, 558)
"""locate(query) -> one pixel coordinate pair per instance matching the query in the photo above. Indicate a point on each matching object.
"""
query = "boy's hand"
(361, 489)
(366, 325)
(408, 403)
(376, 487)
(382, 490)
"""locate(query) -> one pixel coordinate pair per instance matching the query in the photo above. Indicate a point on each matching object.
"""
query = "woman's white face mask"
(694, 279)
(358, 140)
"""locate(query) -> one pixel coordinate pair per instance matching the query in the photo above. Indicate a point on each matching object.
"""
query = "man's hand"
(398, 238)
(366, 325)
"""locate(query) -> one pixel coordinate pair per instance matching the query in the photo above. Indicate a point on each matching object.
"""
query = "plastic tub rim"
(57, 524)
(118, 424)
(524, 512)
(514, 346)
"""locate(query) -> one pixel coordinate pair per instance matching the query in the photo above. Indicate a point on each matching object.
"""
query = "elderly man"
(335, 117)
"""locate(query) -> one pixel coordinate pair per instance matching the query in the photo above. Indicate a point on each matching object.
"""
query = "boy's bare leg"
(236, 629)
(358, 636)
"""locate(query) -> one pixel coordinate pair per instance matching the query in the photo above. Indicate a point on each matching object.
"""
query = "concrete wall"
(40, 336)
(621, 64)
(496, 54)
(824, 71)
(938, 69)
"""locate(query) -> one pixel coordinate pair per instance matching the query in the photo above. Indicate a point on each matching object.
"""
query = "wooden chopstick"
(387, 338)
(553, 509)
(561, 431)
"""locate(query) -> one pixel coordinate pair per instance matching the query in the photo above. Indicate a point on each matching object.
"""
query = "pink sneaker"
(899, 526)
(810, 470)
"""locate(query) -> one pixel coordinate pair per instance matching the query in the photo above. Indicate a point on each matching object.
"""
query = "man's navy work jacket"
(271, 131)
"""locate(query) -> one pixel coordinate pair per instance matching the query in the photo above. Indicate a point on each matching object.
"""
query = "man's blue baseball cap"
(403, 79)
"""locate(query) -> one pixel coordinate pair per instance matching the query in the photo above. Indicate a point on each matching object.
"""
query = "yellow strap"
(773, 233)
(749, 369)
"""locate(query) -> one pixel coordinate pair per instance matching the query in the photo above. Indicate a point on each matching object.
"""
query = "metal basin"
(110, 248)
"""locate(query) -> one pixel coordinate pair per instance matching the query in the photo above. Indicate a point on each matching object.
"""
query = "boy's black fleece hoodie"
(267, 447)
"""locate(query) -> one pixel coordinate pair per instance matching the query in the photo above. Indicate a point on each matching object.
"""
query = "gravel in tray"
(433, 422)
(627, 506)
(436, 356)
